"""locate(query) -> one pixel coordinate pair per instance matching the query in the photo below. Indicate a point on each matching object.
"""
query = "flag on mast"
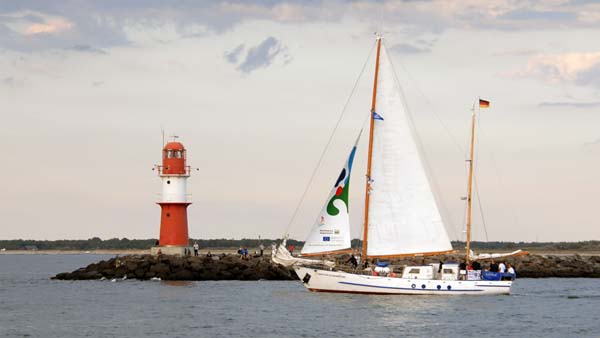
(484, 103)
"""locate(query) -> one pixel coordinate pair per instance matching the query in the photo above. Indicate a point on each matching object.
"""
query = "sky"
(254, 89)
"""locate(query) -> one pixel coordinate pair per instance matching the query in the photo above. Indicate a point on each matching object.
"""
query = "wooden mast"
(368, 183)
(470, 187)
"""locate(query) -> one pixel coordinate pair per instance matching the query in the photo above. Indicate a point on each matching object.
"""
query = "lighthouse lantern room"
(174, 201)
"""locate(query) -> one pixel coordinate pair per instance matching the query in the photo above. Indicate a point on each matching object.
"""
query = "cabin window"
(178, 154)
(448, 271)
(415, 271)
(169, 153)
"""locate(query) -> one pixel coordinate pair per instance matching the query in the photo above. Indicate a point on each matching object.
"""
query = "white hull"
(337, 281)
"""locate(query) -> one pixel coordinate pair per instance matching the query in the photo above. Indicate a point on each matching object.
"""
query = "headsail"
(403, 215)
(331, 232)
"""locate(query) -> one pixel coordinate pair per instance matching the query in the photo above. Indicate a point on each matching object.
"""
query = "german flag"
(484, 103)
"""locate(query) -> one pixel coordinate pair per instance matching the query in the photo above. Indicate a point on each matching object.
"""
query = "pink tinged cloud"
(50, 27)
(559, 68)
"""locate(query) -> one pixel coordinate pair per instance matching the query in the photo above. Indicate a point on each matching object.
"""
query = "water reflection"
(184, 283)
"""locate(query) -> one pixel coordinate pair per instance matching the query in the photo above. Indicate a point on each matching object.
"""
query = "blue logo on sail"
(326, 238)
(377, 116)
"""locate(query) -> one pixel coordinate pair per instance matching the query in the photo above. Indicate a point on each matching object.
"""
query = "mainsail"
(331, 231)
(403, 215)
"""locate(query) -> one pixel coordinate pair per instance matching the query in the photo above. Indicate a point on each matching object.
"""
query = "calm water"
(33, 305)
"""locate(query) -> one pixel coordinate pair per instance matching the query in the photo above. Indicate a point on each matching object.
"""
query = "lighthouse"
(174, 200)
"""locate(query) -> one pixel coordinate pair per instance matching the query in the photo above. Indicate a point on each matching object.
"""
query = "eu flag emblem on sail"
(377, 116)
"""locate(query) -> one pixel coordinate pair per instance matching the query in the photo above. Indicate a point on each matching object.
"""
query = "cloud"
(86, 49)
(11, 81)
(233, 56)
(516, 52)
(50, 27)
(110, 23)
(406, 48)
(592, 143)
(262, 55)
(578, 105)
(578, 68)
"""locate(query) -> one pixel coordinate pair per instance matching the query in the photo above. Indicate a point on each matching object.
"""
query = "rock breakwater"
(145, 267)
(528, 266)
(231, 267)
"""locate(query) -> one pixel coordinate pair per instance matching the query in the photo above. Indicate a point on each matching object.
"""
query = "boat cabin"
(448, 271)
(418, 272)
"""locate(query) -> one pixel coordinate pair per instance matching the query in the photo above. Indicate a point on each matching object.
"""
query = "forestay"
(403, 215)
(331, 232)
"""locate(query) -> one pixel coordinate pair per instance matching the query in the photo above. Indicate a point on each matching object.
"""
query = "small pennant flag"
(484, 103)
(377, 116)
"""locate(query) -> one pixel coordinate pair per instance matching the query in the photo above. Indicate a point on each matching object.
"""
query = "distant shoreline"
(234, 250)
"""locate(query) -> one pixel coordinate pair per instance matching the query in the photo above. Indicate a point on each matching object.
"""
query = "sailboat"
(401, 217)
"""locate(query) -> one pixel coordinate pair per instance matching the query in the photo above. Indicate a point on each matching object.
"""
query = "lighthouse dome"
(174, 146)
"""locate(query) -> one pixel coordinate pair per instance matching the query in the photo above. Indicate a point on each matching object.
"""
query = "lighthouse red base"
(173, 224)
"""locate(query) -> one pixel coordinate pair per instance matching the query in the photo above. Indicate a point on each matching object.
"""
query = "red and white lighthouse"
(174, 200)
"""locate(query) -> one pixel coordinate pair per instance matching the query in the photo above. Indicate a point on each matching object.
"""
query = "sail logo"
(326, 239)
(341, 187)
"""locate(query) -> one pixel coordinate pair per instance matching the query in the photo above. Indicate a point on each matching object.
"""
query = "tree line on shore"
(96, 243)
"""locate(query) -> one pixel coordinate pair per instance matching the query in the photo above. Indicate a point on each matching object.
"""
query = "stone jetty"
(231, 267)
(528, 266)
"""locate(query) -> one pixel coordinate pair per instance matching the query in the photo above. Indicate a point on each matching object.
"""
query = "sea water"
(32, 305)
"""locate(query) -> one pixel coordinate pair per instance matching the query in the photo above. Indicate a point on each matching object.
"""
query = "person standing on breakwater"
(196, 248)
(262, 249)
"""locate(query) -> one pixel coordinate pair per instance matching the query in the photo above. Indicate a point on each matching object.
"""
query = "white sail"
(403, 215)
(282, 256)
(331, 232)
(473, 256)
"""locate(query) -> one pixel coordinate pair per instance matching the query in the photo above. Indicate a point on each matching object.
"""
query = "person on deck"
(352, 261)
(511, 270)
(502, 267)
(494, 266)
(476, 265)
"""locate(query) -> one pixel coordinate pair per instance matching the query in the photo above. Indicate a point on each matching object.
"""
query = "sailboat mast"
(368, 183)
(470, 187)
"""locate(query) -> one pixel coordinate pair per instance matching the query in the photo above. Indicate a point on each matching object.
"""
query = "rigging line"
(461, 149)
(511, 206)
(476, 167)
(320, 161)
(420, 146)
(481, 209)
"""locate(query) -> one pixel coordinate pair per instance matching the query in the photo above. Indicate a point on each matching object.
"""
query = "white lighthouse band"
(174, 189)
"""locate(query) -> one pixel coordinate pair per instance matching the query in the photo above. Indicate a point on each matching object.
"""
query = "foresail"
(331, 232)
(283, 257)
(403, 215)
